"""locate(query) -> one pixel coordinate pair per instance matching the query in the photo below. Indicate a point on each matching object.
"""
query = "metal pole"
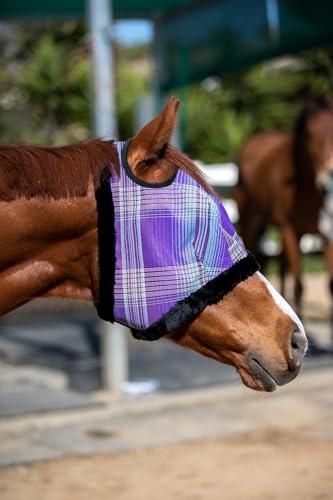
(114, 355)
(114, 337)
(273, 20)
(100, 20)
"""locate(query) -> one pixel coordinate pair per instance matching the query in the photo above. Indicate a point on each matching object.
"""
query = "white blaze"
(282, 303)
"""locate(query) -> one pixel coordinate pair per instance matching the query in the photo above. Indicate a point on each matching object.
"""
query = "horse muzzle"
(266, 375)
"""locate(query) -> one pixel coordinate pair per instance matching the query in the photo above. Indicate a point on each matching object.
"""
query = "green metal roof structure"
(121, 8)
(219, 37)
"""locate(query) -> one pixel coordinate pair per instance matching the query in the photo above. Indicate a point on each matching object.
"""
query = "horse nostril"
(294, 344)
(299, 345)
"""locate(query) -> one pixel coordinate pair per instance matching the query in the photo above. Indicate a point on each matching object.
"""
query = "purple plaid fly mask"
(166, 251)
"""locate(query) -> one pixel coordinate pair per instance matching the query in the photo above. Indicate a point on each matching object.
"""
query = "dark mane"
(317, 104)
(302, 159)
(30, 171)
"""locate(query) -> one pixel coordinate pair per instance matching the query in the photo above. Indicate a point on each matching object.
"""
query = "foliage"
(56, 86)
(44, 90)
(215, 130)
(132, 80)
(223, 112)
(45, 94)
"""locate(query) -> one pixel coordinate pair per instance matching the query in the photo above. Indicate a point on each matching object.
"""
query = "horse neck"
(48, 248)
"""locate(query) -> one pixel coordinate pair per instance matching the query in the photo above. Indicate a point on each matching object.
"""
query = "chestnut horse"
(282, 178)
(49, 248)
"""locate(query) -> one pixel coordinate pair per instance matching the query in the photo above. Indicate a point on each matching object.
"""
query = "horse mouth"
(262, 375)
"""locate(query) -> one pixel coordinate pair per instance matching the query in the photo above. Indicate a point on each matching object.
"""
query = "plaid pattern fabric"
(170, 241)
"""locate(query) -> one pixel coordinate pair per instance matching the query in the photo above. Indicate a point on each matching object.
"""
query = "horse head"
(249, 325)
(160, 255)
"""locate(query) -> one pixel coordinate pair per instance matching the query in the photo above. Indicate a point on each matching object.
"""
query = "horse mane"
(302, 159)
(30, 171)
(180, 160)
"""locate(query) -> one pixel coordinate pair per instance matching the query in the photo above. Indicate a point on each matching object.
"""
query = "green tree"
(45, 93)
(221, 117)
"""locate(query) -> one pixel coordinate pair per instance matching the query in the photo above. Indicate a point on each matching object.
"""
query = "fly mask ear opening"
(145, 155)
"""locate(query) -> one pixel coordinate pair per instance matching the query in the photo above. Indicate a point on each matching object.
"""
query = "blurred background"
(239, 68)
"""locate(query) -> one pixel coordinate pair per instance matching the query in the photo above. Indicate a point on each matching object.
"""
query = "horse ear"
(146, 147)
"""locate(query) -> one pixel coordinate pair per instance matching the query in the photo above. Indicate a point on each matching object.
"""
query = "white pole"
(100, 20)
(114, 337)
(114, 356)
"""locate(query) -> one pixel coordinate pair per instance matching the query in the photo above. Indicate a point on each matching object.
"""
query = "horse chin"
(255, 376)
(258, 375)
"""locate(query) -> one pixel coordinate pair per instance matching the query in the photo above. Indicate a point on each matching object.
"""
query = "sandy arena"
(223, 443)
(264, 465)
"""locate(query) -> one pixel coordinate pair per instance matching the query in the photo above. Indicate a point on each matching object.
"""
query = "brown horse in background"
(49, 248)
(281, 181)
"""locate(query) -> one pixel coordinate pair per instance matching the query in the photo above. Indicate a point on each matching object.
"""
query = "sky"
(131, 32)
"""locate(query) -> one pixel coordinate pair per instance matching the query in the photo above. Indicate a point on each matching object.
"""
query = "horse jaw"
(251, 328)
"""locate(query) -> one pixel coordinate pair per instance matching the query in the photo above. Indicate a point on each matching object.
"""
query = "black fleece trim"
(213, 291)
(141, 182)
(106, 248)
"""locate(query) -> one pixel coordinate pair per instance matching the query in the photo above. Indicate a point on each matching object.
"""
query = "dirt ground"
(287, 459)
(264, 465)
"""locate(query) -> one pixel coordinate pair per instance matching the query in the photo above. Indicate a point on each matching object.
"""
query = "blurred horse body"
(281, 181)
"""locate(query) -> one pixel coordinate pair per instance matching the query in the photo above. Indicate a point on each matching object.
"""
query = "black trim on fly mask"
(138, 181)
(106, 247)
(213, 291)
